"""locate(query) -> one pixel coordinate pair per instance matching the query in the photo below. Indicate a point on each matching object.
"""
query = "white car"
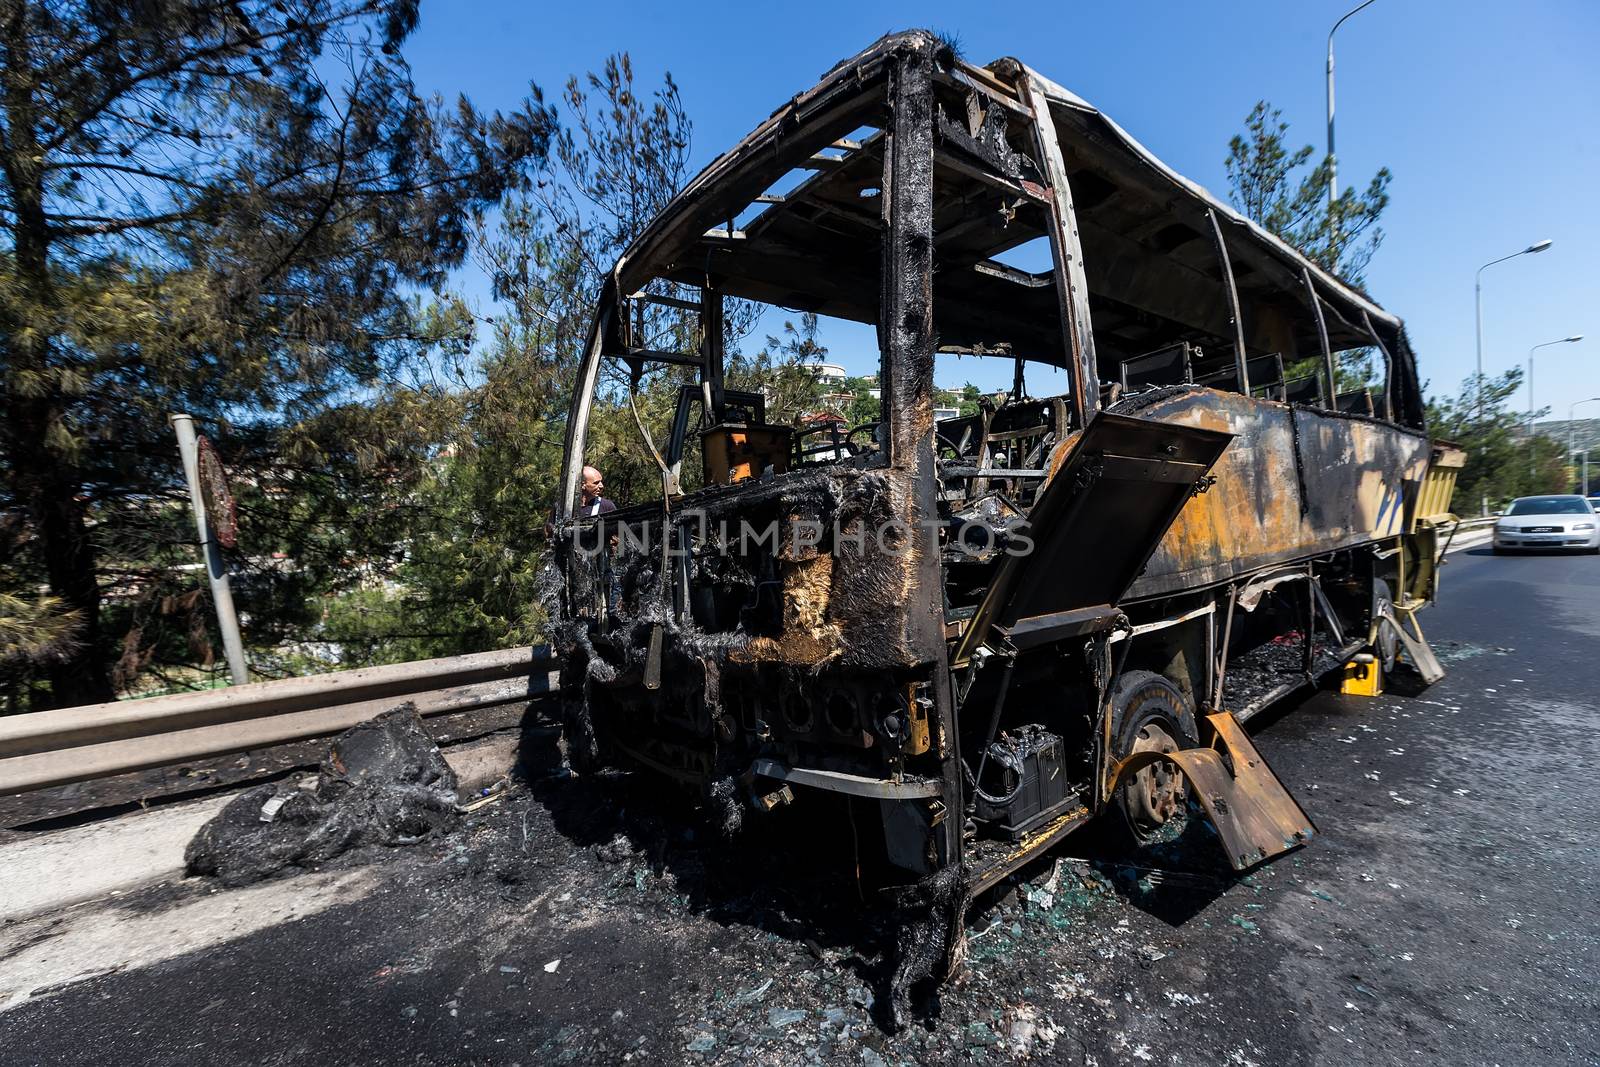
(1568, 523)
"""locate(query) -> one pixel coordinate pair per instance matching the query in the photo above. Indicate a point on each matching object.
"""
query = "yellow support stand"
(1363, 676)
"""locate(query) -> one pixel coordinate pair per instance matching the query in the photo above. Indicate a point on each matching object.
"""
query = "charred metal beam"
(1014, 187)
(907, 341)
(711, 349)
(667, 301)
(1014, 275)
(852, 784)
(1388, 366)
(1240, 360)
(1072, 288)
(1045, 629)
(907, 278)
(583, 397)
(1322, 335)
(983, 137)
(650, 355)
(995, 472)
(995, 94)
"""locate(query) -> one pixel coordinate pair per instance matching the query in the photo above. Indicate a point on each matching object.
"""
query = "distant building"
(940, 414)
(826, 373)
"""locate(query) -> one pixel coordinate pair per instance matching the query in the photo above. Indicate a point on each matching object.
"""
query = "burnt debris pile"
(383, 782)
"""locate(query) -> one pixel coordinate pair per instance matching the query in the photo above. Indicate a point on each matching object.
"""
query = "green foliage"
(467, 577)
(967, 399)
(781, 369)
(224, 209)
(33, 631)
(1270, 184)
(1502, 461)
(1266, 184)
(863, 407)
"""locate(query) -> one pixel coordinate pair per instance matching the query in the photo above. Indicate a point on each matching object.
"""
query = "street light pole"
(1537, 246)
(1560, 341)
(1333, 166)
(1572, 412)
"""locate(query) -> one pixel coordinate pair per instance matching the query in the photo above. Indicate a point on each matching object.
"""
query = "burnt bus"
(987, 630)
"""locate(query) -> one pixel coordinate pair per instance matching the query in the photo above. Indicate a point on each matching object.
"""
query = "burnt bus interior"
(705, 658)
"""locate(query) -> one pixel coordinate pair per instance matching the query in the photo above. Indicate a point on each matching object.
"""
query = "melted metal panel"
(1297, 482)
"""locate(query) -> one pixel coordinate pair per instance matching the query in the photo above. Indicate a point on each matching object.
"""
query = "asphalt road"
(1445, 913)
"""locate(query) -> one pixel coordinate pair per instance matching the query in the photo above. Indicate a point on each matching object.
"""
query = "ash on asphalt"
(1443, 912)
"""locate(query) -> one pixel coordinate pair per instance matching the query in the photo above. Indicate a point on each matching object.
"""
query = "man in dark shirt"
(590, 500)
(591, 504)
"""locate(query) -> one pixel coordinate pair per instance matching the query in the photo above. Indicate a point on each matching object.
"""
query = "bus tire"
(1149, 712)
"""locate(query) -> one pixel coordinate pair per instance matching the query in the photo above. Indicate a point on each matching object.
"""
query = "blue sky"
(1487, 113)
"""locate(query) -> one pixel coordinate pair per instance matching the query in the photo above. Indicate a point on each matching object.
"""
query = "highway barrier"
(48, 748)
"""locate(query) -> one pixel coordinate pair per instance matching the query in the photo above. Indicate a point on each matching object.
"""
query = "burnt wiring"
(644, 435)
(991, 747)
(1006, 758)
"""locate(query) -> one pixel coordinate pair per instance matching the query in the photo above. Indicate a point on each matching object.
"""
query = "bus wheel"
(1149, 713)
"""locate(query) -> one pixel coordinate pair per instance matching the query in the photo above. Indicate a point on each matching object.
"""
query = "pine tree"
(224, 207)
(1265, 184)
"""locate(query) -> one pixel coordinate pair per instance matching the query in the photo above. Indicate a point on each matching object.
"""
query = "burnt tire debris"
(382, 782)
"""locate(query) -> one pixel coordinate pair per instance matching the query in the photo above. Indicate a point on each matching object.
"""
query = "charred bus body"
(986, 630)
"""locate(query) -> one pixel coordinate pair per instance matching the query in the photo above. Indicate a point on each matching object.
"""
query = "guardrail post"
(221, 593)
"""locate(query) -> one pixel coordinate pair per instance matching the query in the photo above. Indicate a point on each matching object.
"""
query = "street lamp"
(1561, 341)
(1537, 246)
(1333, 167)
(1572, 412)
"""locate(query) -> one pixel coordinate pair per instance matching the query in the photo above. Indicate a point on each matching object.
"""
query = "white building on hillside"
(827, 373)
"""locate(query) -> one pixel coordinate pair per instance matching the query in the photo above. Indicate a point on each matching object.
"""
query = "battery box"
(1041, 786)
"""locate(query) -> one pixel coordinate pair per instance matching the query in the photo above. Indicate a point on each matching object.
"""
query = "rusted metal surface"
(1297, 482)
(1241, 359)
(1072, 288)
(1119, 482)
(1433, 507)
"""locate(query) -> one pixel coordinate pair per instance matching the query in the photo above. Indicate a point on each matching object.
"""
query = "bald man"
(590, 500)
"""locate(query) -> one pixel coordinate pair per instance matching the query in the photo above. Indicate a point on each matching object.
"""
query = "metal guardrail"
(47, 748)
(1448, 532)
